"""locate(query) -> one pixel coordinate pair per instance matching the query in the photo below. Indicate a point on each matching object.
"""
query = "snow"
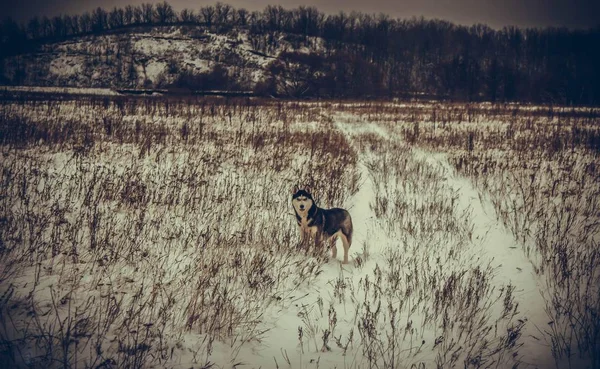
(66, 65)
(69, 61)
(437, 234)
(492, 244)
(154, 69)
(510, 264)
(371, 242)
(281, 341)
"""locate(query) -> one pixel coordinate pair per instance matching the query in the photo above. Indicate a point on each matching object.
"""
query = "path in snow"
(281, 342)
(493, 240)
(490, 240)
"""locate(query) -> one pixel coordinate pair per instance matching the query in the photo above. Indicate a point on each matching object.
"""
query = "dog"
(321, 224)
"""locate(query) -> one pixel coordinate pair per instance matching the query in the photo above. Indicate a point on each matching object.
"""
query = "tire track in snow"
(509, 261)
(490, 239)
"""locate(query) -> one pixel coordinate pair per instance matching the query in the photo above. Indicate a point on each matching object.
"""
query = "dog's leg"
(313, 239)
(307, 242)
(333, 246)
(302, 243)
(346, 247)
(318, 243)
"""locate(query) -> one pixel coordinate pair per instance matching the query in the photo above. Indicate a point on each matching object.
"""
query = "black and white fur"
(321, 224)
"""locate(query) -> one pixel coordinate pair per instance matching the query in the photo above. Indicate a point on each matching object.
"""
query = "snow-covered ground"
(511, 266)
(162, 235)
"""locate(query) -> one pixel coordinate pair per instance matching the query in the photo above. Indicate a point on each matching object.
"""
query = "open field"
(155, 232)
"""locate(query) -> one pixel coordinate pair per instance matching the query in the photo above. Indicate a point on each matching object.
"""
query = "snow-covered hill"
(152, 57)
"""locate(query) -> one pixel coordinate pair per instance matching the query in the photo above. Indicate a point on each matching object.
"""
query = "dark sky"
(495, 13)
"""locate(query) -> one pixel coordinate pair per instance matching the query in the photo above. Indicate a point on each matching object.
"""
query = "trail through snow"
(281, 342)
(491, 241)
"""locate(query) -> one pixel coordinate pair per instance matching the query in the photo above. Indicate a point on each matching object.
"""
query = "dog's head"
(302, 200)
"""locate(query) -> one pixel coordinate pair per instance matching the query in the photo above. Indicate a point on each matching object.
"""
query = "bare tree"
(34, 28)
(222, 13)
(187, 16)
(255, 18)
(273, 16)
(138, 15)
(75, 25)
(85, 23)
(58, 27)
(208, 14)
(128, 15)
(99, 20)
(165, 13)
(148, 13)
(116, 18)
(307, 20)
(46, 27)
(241, 17)
(69, 21)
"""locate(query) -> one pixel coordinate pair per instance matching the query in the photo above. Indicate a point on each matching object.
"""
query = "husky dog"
(321, 224)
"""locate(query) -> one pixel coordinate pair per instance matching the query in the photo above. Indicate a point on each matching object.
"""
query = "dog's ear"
(308, 189)
(295, 189)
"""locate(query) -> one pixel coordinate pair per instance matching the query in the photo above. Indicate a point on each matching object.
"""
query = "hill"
(302, 52)
(155, 57)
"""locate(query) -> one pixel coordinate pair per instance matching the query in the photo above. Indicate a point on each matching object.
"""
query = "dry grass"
(118, 232)
(539, 168)
(149, 232)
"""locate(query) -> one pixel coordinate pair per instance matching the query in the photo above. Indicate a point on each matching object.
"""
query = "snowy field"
(159, 233)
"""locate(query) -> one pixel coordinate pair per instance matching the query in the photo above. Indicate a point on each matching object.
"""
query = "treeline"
(368, 55)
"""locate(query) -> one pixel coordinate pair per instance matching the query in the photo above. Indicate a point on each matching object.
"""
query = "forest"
(364, 55)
